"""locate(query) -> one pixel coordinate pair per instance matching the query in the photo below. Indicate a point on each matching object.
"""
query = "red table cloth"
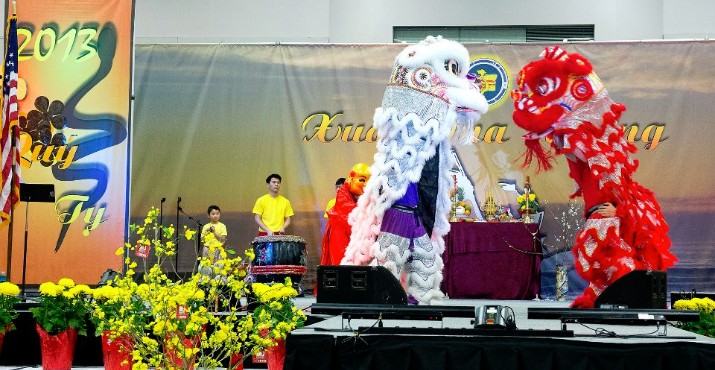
(499, 260)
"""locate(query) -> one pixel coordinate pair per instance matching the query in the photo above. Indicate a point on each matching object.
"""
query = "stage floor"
(337, 343)
(641, 336)
(584, 332)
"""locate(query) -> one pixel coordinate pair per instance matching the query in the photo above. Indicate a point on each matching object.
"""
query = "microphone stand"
(198, 238)
(176, 254)
(161, 220)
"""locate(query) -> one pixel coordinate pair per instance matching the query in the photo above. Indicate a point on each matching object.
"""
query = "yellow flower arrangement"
(706, 306)
(533, 204)
(62, 306)
(8, 298)
(276, 315)
(117, 309)
(168, 328)
(167, 320)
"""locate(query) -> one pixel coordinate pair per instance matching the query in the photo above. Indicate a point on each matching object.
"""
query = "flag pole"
(12, 212)
(11, 225)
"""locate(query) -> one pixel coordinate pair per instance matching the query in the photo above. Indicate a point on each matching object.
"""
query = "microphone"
(178, 202)
(163, 200)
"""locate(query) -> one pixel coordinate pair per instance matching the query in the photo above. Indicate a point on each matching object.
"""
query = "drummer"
(272, 211)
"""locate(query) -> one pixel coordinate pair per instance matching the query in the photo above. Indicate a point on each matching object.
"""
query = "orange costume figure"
(337, 231)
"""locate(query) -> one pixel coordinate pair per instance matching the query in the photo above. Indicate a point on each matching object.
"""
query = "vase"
(175, 360)
(276, 355)
(562, 283)
(116, 352)
(236, 362)
(2, 336)
(57, 350)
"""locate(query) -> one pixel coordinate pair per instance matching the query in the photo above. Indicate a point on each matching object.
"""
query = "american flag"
(10, 192)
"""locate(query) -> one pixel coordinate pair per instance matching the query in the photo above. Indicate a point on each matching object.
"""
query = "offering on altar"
(528, 205)
(460, 211)
(504, 215)
(490, 207)
(462, 206)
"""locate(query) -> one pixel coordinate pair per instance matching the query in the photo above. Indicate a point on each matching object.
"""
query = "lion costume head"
(555, 94)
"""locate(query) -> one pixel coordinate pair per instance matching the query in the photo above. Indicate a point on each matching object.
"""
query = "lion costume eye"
(452, 66)
(546, 86)
(421, 78)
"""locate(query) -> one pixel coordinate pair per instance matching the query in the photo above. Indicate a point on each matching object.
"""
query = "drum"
(278, 257)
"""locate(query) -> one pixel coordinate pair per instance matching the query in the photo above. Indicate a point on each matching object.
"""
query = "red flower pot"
(2, 336)
(57, 350)
(173, 359)
(236, 362)
(117, 352)
(276, 355)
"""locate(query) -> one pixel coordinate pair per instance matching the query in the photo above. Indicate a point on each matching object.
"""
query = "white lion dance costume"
(401, 219)
(559, 97)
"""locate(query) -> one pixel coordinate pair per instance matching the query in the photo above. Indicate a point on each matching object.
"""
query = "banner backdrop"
(212, 121)
(75, 74)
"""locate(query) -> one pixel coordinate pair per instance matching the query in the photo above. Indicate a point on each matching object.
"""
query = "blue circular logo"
(493, 77)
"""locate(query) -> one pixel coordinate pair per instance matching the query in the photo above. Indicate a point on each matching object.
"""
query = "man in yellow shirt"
(331, 203)
(272, 211)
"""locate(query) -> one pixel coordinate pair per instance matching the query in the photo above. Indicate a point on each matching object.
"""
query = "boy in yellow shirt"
(213, 235)
(217, 228)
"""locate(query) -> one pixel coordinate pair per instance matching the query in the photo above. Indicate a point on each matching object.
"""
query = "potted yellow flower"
(706, 324)
(180, 330)
(8, 298)
(275, 316)
(117, 313)
(176, 334)
(61, 315)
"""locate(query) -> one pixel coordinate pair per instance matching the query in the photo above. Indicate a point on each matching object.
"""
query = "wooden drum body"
(278, 257)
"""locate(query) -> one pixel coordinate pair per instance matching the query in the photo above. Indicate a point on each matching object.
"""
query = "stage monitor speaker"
(637, 289)
(359, 285)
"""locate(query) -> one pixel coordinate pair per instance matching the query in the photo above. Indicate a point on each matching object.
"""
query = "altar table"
(492, 260)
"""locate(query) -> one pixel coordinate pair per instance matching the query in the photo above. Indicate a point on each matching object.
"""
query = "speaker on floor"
(358, 285)
(637, 289)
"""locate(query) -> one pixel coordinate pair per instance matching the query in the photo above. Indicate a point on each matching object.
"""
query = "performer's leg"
(392, 247)
(424, 272)
(601, 257)
(393, 252)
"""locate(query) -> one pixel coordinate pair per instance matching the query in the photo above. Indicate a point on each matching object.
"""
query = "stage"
(452, 343)
(432, 341)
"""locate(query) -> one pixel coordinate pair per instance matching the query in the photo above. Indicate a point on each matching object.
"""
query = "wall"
(692, 20)
(371, 21)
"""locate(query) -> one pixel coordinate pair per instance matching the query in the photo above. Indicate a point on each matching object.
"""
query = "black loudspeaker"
(358, 285)
(637, 289)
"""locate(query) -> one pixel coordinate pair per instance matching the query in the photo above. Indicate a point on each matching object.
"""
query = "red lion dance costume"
(560, 98)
